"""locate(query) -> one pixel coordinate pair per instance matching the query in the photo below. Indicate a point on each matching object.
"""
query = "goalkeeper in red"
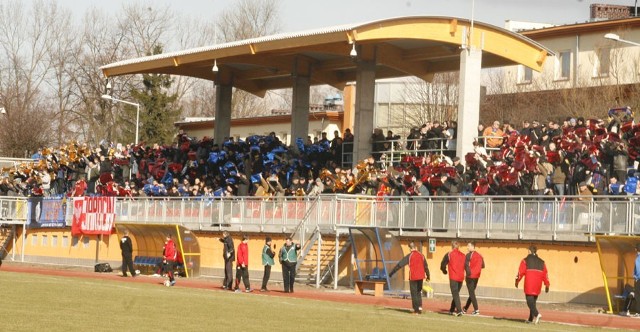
(418, 271)
(534, 271)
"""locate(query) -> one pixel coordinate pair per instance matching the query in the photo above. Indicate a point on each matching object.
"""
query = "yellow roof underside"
(407, 46)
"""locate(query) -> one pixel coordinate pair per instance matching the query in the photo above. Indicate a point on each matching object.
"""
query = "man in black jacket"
(127, 251)
(228, 254)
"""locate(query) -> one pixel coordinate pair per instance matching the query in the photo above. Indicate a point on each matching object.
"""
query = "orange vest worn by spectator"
(493, 137)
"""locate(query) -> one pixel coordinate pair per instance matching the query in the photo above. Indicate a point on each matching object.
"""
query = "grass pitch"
(30, 302)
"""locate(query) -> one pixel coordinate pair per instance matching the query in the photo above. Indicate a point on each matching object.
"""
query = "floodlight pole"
(615, 37)
(108, 97)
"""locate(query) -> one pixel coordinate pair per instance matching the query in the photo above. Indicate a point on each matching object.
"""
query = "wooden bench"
(377, 286)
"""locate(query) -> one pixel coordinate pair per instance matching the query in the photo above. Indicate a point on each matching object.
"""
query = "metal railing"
(397, 148)
(497, 217)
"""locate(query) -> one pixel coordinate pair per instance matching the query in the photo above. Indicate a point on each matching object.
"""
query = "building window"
(74, 242)
(45, 240)
(65, 241)
(525, 75)
(85, 242)
(602, 63)
(54, 240)
(563, 65)
(34, 240)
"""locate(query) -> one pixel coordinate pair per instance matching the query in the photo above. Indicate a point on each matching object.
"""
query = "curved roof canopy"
(407, 46)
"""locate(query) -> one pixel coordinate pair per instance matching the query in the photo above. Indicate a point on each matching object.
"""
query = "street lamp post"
(108, 97)
(615, 37)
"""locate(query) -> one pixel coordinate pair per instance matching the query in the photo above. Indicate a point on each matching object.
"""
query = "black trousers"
(242, 273)
(266, 276)
(288, 275)
(228, 274)
(531, 303)
(636, 291)
(472, 283)
(127, 263)
(415, 287)
(455, 287)
(629, 303)
(168, 267)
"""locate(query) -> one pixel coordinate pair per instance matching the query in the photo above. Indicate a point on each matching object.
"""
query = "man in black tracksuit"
(127, 251)
(228, 254)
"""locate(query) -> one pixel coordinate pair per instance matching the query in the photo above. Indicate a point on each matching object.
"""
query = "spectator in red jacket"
(453, 261)
(242, 265)
(534, 271)
(418, 271)
(473, 265)
(80, 187)
(170, 256)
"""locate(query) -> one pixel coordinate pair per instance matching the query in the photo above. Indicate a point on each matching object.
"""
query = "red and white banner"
(93, 215)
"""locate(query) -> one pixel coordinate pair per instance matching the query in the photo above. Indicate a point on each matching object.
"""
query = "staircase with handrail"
(6, 239)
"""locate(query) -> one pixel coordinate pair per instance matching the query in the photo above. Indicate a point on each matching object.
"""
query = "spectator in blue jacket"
(631, 184)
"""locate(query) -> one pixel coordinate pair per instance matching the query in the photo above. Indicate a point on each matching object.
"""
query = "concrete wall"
(624, 69)
(574, 270)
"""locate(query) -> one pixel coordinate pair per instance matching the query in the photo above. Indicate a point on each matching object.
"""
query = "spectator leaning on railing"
(493, 135)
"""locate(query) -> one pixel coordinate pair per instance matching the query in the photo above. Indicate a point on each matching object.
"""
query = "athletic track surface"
(513, 311)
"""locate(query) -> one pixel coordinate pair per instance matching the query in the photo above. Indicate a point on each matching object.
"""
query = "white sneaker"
(537, 320)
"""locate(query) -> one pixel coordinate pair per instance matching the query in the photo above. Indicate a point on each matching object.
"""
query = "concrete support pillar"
(365, 100)
(469, 100)
(222, 126)
(300, 109)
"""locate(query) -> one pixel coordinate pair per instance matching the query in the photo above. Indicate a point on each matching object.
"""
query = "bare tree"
(248, 19)
(430, 101)
(26, 37)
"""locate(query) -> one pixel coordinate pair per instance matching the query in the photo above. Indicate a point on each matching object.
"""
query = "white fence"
(507, 217)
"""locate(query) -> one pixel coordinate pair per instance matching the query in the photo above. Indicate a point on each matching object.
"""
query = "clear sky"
(309, 14)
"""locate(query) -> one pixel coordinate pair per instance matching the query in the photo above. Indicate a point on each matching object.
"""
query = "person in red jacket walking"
(418, 271)
(454, 262)
(242, 265)
(534, 271)
(170, 256)
(473, 265)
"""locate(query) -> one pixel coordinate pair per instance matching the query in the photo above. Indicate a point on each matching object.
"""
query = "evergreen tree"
(158, 109)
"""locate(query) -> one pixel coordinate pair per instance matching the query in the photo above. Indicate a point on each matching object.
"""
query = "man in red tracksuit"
(534, 271)
(242, 265)
(418, 270)
(170, 256)
(473, 265)
(454, 261)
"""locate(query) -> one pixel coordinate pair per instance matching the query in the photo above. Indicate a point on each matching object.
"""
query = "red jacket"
(418, 268)
(454, 261)
(473, 265)
(243, 254)
(534, 271)
(170, 252)
(79, 188)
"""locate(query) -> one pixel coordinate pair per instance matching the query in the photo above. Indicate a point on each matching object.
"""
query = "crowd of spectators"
(575, 157)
